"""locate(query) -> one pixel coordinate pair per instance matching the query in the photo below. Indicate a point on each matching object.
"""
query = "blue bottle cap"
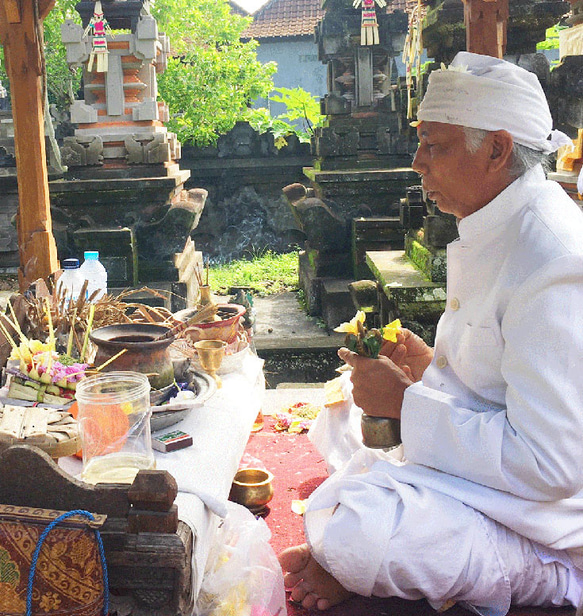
(70, 263)
(91, 255)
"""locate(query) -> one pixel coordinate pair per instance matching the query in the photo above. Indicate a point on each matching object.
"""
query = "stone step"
(337, 304)
(295, 347)
(405, 293)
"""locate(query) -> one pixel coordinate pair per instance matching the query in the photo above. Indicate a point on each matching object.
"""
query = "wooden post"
(21, 36)
(486, 22)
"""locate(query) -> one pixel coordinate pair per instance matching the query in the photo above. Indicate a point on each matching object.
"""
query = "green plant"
(552, 38)
(266, 274)
(301, 106)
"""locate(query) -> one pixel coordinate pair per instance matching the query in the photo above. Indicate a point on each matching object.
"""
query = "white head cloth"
(483, 92)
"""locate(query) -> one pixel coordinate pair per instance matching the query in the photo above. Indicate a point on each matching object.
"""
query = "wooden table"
(164, 572)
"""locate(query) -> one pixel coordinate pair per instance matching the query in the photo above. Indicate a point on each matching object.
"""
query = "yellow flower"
(391, 330)
(352, 326)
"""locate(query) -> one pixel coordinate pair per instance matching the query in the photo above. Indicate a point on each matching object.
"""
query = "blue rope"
(37, 550)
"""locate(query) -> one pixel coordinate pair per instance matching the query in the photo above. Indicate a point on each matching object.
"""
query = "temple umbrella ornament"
(99, 29)
(369, 28)
(22, 38)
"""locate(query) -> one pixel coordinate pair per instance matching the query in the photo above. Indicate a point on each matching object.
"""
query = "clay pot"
(226, 329)
(143, 354)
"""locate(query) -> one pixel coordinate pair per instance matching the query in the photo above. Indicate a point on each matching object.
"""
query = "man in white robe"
(483, 502)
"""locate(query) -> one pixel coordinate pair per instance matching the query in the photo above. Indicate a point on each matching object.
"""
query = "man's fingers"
(347, 356)
(399, 354)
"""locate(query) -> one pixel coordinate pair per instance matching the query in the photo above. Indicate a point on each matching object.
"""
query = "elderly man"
(483, 503)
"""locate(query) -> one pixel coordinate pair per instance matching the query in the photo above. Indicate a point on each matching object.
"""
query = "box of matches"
(171, 441)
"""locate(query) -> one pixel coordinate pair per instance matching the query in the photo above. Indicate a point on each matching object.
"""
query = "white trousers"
(378, 536)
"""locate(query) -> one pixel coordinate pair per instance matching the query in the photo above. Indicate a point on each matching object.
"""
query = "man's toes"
(298, 593)
(309, 601)
(295, 559)
(323, 604)
(291, 579)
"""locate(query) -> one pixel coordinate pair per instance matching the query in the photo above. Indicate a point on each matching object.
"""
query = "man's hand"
(378, 384)
(410, 353)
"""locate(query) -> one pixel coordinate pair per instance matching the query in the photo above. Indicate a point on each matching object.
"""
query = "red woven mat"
(298, 469)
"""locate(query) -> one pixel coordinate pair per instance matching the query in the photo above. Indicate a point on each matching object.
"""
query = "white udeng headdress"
(483, 92)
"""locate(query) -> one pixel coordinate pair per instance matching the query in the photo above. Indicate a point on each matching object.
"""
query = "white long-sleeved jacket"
(500, 409)
(496, 422)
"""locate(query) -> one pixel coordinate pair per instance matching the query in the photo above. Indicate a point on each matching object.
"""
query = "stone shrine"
(123, 193)
(362, 155)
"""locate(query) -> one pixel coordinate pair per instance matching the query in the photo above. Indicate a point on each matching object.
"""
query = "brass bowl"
(380, 432)
(252, 488)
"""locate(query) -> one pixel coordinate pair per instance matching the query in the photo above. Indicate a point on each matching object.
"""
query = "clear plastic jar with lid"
(114, 421)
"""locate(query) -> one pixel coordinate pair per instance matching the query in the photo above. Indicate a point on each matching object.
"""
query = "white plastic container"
(93, 271)
(71, 279)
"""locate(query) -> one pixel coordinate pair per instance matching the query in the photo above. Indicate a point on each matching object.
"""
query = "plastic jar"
(114, 422)
(93, 271)
(71, 280)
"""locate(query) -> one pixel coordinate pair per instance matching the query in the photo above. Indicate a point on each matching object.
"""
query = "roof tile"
(287, 18)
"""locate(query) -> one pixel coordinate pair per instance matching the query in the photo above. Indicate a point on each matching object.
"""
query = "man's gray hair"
(522, 160)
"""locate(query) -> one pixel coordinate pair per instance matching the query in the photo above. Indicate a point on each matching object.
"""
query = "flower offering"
(367, 342)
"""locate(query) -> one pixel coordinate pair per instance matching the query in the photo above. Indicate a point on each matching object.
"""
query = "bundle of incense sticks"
(200, 316)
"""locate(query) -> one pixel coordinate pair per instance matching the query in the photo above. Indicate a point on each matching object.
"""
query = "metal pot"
(143, 354)
(380, 432)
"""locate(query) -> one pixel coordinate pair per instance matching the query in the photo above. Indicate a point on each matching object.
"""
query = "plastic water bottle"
(71, 279)
(95, 274)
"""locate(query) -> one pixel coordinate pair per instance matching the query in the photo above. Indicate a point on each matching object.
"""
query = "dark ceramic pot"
(143, 354)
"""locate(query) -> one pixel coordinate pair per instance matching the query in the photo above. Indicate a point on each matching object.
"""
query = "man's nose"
(418, 164)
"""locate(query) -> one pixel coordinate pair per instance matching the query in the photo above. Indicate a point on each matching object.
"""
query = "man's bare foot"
(310, 584)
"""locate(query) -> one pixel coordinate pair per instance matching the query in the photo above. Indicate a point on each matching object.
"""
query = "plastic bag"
(243, 576)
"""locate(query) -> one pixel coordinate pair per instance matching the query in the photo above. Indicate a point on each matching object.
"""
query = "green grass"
(265, 274)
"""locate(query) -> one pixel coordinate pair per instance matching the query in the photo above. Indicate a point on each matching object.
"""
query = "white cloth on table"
(496, 430)
(204, 471)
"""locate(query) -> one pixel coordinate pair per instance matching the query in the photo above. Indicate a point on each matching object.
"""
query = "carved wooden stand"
(148, 550)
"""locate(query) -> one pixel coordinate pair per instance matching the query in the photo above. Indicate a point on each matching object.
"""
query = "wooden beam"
(22, 53)
(13, 12)
(45, 7)
(486, 22)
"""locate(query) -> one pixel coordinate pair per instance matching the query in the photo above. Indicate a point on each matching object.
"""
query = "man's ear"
(501, 148)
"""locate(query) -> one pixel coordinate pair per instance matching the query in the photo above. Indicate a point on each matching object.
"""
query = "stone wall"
(245, 211)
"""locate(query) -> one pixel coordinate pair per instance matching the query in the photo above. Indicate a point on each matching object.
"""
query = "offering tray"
(52, 430)
(164, 415)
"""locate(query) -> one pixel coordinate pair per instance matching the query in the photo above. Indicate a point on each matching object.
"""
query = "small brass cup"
(252, 488)
(210, 354)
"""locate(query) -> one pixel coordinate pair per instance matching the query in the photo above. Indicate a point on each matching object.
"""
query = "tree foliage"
(211, 78)
(301, 116)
